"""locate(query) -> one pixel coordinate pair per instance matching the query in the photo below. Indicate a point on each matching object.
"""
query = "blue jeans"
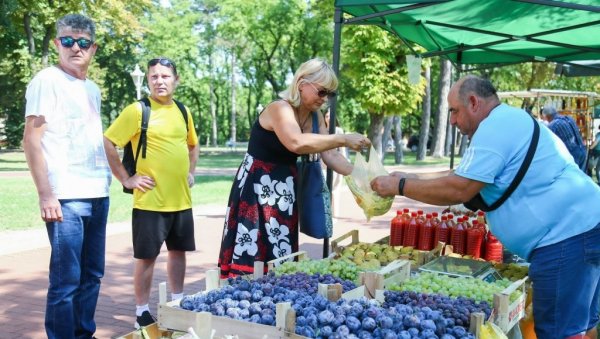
(566, 286)
(76, 266)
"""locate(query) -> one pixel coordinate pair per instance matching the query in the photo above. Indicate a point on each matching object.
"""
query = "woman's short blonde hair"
(315, 71)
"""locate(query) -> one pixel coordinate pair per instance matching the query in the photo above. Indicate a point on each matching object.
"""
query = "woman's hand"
(356, 141)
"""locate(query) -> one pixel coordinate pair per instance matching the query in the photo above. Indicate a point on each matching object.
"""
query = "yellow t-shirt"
(167, 154)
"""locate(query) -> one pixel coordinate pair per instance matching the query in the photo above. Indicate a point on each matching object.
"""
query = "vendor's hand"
(386, 185)
(50, 209)
(141, 182)
(357, 141)
(191, 179)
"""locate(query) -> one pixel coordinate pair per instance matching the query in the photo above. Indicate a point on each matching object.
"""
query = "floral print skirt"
(261, 222)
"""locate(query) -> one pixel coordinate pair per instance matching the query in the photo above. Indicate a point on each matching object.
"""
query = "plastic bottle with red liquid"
(483, 226)
(435, 220)
(451, 221)
(493, 249)
(426, 234)
(411, 232)
(458, 237)
(474, 240)
(441, 232)
(396, 230)
(403, 224)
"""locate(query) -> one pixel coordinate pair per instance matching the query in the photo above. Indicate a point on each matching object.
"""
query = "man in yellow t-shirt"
(162, 204)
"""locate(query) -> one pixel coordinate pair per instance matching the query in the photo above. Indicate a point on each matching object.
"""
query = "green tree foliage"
(374, 71)
(27, 32)
(174, 32)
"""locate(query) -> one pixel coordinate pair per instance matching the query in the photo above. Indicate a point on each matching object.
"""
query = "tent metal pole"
(563, 4)
(453, 144)
(337, 37)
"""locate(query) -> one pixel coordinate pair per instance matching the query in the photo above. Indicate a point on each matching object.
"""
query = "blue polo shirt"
(554, 201)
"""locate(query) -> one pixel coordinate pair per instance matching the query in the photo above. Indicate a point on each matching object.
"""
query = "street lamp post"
(138, 78)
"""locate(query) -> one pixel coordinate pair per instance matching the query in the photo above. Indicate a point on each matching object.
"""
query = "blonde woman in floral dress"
(261, 222)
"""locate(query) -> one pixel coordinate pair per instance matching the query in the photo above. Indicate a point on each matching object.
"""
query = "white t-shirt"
(72, 143)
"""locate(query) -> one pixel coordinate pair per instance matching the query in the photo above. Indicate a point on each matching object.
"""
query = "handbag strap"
(524, 167)
(315, 129)
(315, 123)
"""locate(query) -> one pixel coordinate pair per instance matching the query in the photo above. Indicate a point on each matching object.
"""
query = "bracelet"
(401, 186)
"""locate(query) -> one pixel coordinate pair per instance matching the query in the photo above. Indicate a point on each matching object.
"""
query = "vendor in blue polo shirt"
(550, 216)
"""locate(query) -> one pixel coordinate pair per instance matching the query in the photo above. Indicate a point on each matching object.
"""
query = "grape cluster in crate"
(316, 317)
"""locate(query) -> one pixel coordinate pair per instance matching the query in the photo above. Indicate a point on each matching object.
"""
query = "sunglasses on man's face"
(323, 92)
(69, 41)
(164, 62)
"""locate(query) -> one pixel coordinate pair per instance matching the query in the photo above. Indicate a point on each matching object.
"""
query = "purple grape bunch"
(254, 300)
(456, 310)
(401, 316)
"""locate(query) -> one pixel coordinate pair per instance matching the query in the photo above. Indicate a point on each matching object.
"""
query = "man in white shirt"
(65, 152)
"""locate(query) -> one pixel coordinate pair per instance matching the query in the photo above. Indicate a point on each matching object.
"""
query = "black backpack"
(129, 161)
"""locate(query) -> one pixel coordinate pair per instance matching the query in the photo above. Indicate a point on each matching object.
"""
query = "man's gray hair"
(549, 110)
(77, 23)
(481, 87)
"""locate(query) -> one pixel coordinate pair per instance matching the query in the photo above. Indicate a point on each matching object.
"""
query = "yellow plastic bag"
(491, 331)
(359, 182)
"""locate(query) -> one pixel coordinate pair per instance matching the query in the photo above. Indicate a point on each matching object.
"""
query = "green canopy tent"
(479, 33)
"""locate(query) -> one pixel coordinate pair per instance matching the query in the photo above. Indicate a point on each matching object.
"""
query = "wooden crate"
(507, 314)
(420, 257)
(154, 332)
(208, 326)
(370, 282)
(301, 255)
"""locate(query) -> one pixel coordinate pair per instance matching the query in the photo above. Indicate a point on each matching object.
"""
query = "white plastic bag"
(359, 182)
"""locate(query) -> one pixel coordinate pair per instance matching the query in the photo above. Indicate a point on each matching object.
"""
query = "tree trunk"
(217, 114)
(29, 33)
(464, 143)
(250, 108)
(375, 129)
(398, 151)
(425, 117)
(441, 117)
(387, 129)
(212, 104)
(448, 145)
(46, 45)
(233, 108)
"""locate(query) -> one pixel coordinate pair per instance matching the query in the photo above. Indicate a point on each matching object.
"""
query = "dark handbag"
(312, 195)
(477, 202)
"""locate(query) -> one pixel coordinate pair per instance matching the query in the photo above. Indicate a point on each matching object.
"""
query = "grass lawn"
(19, 203)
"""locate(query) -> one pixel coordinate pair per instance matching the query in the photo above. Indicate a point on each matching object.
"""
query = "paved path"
(24, 267)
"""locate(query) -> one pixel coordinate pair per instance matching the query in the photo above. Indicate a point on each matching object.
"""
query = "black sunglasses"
(163, 61)
(69, 41)
(323, 92)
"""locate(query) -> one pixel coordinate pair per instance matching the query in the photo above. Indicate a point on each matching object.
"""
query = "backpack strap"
(146, 109)
(183, 111)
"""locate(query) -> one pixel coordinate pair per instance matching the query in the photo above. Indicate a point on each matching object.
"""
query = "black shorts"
(151, 228)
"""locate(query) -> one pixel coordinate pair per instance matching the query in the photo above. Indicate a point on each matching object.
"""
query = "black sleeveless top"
(265, 145)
